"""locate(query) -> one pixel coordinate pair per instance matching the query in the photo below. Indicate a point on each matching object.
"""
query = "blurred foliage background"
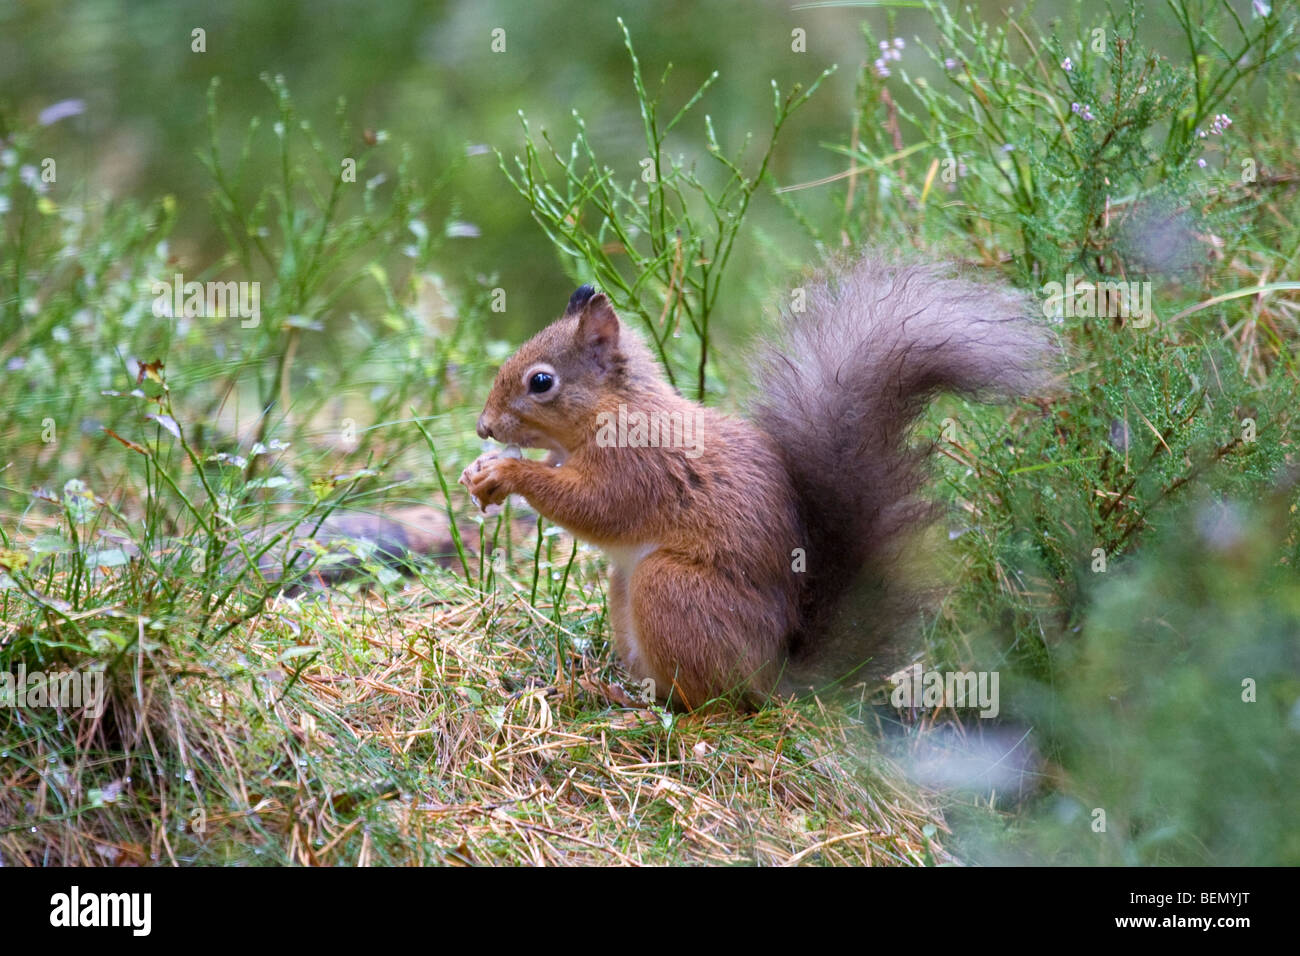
(425, 73)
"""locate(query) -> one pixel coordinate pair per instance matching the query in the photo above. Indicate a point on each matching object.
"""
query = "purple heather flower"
(32, 178)
(60, 110)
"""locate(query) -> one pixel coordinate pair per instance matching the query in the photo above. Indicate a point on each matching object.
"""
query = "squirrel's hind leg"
(695, 656)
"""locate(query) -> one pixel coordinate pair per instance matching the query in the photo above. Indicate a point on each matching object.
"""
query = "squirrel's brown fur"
(749, 549)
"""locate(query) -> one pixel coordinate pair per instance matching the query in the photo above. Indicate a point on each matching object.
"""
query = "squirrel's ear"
(598, 326)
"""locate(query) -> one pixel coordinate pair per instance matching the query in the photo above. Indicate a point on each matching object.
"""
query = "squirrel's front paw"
(486, 478)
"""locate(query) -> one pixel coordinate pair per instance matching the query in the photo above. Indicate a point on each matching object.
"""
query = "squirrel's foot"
(486, 478)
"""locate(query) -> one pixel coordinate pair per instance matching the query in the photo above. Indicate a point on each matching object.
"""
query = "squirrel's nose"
(483, 430)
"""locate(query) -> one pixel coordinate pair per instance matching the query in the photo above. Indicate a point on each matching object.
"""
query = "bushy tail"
(839, 391)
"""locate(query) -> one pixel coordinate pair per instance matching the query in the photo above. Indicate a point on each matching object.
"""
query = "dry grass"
(434, 725)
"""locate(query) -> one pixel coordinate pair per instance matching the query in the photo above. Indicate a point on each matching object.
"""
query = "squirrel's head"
(548, 394)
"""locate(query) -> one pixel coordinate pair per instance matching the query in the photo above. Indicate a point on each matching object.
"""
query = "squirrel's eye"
(541, 382)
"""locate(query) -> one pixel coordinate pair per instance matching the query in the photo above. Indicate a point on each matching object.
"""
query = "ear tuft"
(598, 328)
(579, 298)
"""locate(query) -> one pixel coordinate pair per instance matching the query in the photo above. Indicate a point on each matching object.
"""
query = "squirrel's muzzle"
(484, 430)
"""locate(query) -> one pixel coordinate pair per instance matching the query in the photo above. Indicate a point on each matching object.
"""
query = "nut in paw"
(486, 478)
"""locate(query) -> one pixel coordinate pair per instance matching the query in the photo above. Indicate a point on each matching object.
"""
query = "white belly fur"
(625, 559)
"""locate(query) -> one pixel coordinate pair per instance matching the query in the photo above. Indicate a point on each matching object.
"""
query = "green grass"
(157, 476)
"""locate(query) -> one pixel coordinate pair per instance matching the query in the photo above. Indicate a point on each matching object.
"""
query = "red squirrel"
(740, 549)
